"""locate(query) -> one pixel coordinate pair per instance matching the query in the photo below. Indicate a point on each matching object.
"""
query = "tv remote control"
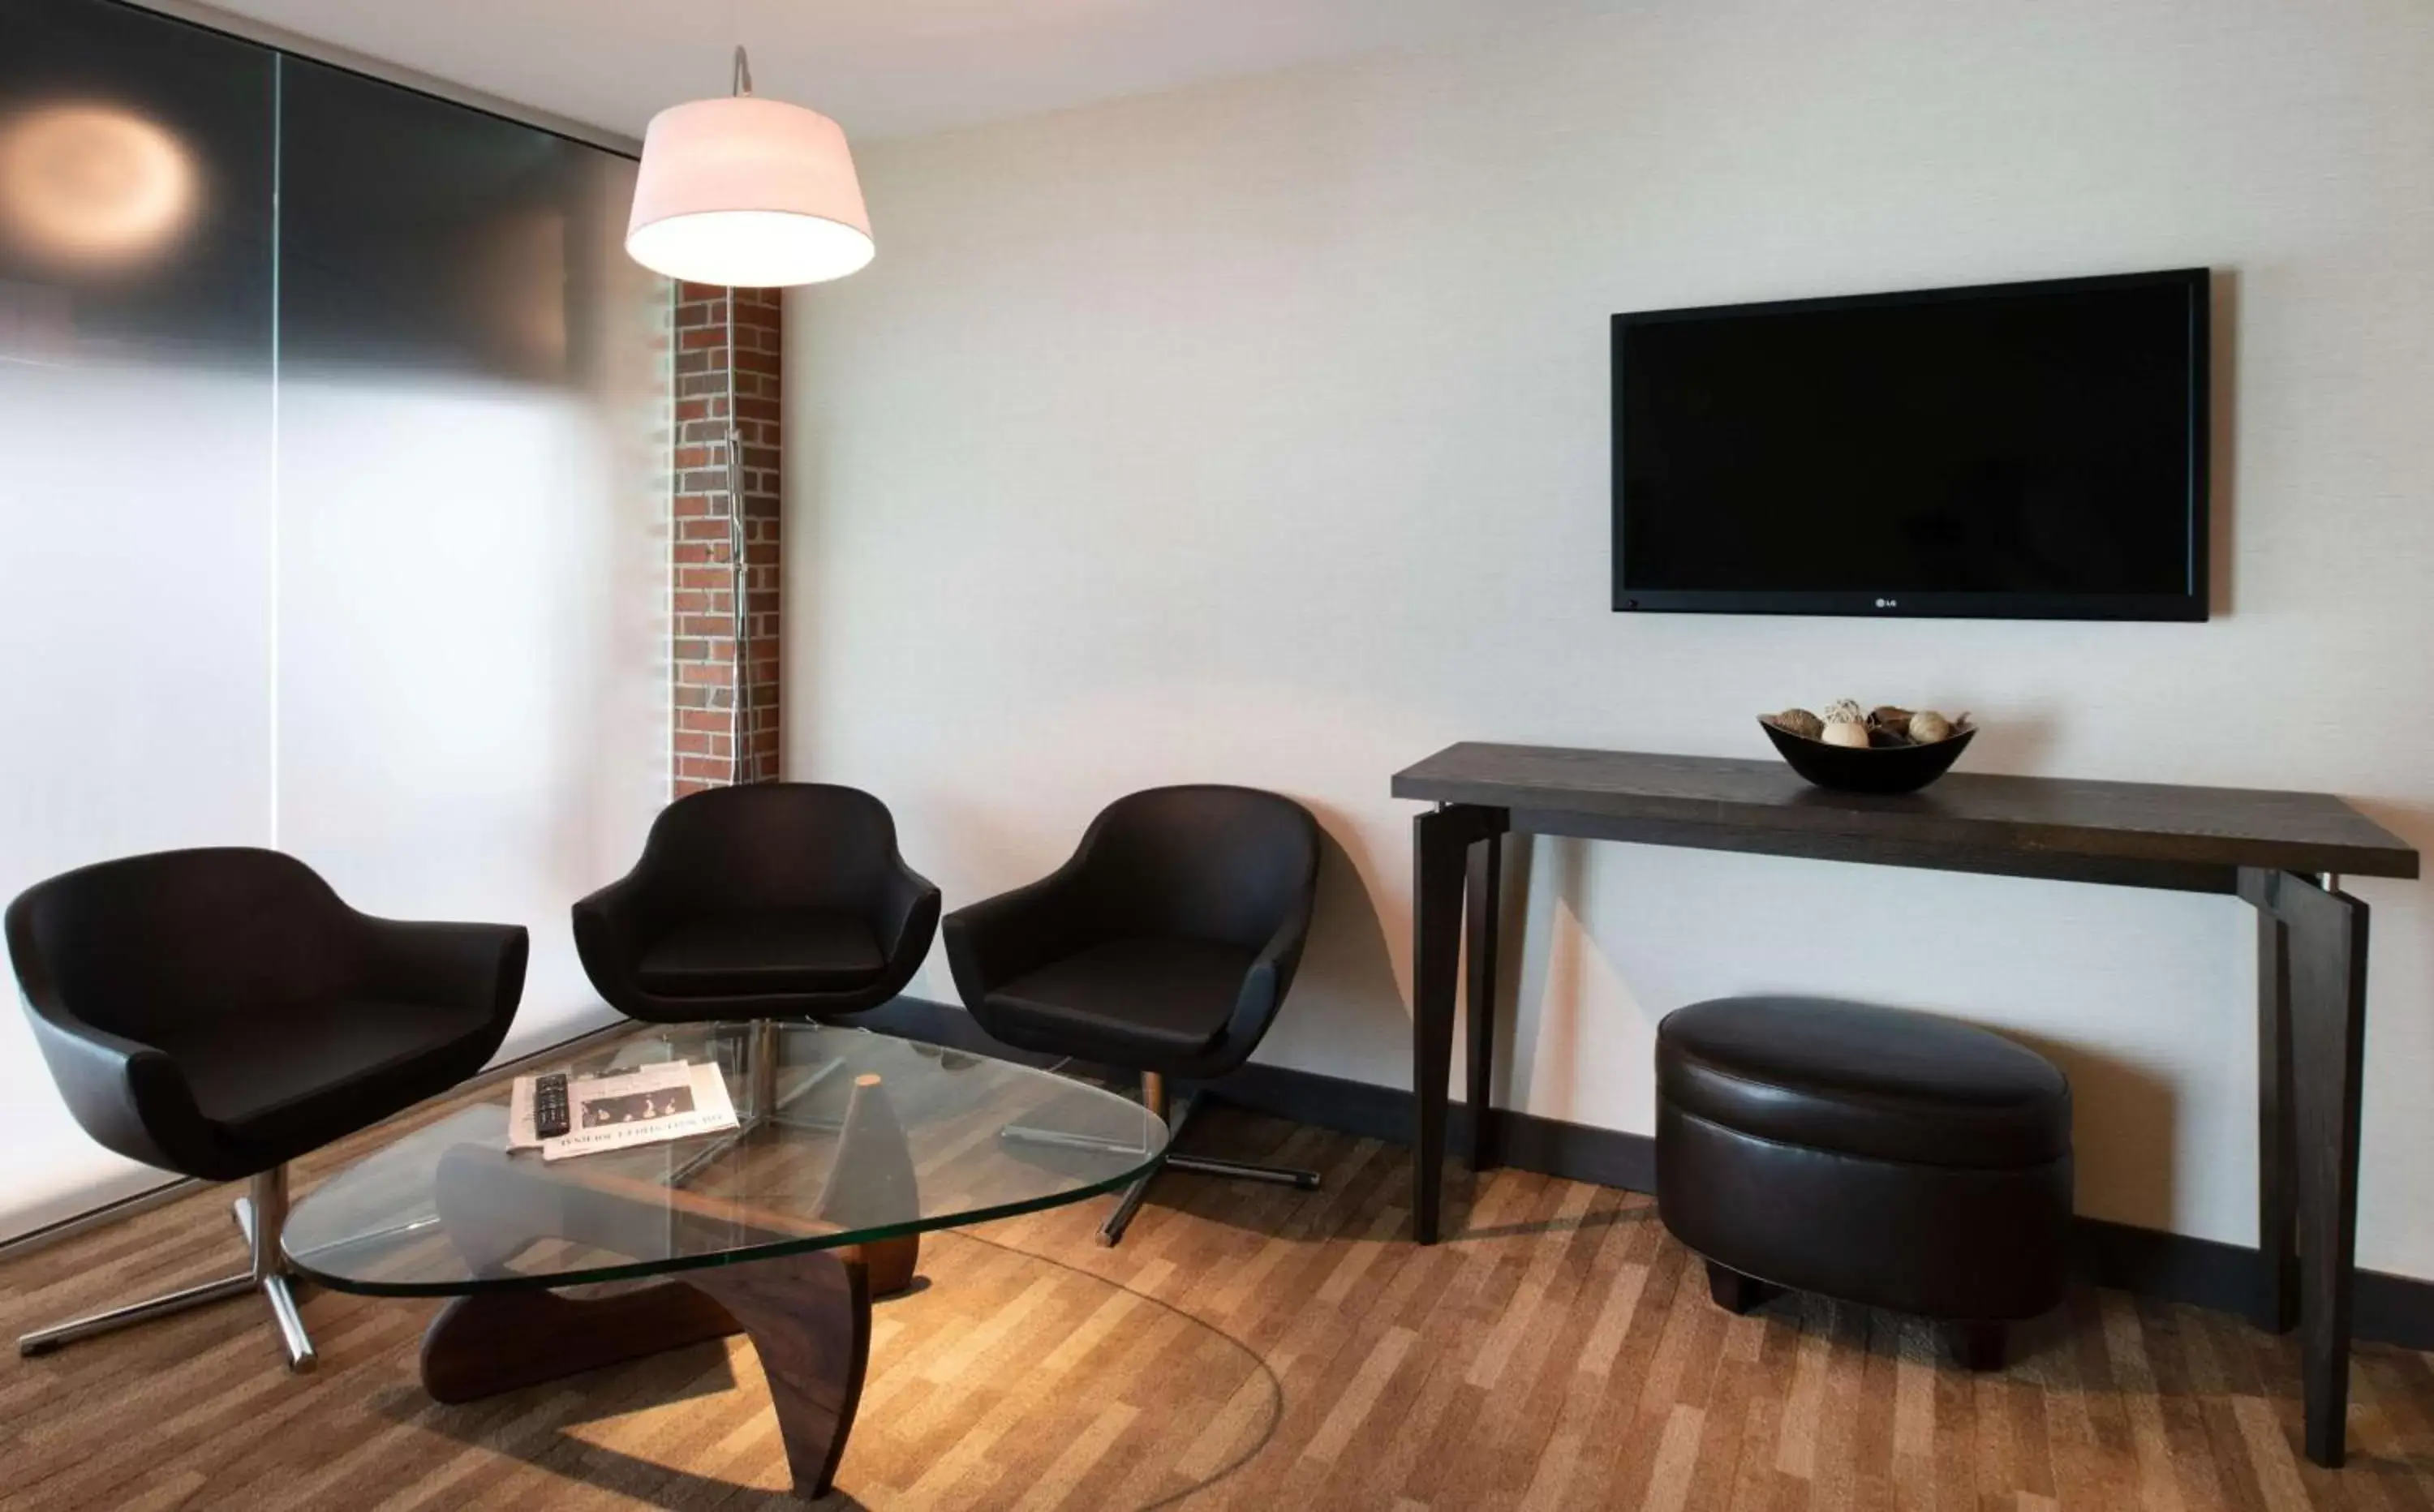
(550, 1117)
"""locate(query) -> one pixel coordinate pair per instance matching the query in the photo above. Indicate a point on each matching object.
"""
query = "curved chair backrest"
(179, 937)
(770, 844)
(1203, 861)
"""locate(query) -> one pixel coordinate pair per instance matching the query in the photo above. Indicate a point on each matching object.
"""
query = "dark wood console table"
(2284, 853)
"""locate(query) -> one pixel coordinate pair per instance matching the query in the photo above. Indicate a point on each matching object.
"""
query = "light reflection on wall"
(92, 187)
(37, 322)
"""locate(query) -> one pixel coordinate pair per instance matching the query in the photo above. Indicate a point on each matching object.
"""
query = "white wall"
(1258, 431)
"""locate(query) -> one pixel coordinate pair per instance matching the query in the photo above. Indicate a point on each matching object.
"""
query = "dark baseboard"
(2147, 1262)
(2391, 1309)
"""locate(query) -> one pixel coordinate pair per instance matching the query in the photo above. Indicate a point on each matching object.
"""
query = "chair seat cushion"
(1142, 1001)
(1863, 1081)
(295, 1078)
(765, 950)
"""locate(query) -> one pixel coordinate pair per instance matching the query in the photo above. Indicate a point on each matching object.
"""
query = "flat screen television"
(2013, 451)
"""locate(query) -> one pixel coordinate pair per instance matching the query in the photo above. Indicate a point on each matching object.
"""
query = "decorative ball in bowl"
(1887, 750)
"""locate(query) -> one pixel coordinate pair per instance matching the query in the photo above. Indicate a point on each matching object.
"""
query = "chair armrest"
(119, 1089)
(995, 941)
(608, 925)
(1271, 975)
(474, 965)
(907, 917)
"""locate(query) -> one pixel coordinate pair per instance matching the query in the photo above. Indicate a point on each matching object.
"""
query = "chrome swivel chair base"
(259, 1217)
(765, 1102)
(1177, 1117)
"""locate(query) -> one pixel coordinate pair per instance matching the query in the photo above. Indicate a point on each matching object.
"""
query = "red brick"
(706, 367)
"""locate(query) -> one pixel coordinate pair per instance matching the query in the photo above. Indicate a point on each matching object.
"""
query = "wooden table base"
(807, 1314)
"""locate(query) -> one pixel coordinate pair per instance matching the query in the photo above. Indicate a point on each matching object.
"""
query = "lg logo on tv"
(1887, 603)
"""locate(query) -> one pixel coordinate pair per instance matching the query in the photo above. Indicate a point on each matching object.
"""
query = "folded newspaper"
(619, 1109)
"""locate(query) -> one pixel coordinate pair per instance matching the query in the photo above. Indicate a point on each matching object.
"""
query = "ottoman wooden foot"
(1978, 1346)
(1736, 1293)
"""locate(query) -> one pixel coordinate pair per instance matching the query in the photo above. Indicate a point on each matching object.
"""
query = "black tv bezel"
(2190, 605)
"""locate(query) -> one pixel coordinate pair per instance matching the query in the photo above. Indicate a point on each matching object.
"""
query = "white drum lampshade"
(749, 193)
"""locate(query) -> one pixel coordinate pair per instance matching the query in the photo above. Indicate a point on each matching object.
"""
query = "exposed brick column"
(702, 652)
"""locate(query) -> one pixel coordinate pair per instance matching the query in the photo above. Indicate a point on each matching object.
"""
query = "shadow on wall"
(2015, 742)
(1548, 963)
(1512, 935)
(2123, 1142)
(1347, 994)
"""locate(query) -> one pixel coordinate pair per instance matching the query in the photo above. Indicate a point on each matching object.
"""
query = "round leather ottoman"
(1873, 1155)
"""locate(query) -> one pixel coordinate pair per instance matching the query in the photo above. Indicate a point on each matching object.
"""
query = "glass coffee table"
(851, 1145)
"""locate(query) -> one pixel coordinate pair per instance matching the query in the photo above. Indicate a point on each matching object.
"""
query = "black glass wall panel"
(136, 162)
(139, 160)
(422, 235)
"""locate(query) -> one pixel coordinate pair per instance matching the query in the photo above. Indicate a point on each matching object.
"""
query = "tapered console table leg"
(807, 1314)
(1437, 865)
(2312, 960)
(1483, 903)
(1441, 842)
(2328, 943)
(2277, 1156)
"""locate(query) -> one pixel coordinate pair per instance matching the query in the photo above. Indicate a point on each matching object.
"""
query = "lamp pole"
(738, 567)
(738, 564)
(756, 193)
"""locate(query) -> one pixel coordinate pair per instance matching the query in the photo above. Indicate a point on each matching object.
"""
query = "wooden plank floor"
(1248, 1348)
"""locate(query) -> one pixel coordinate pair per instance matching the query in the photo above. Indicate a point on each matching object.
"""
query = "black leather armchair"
(770, 900)
(1164, 946)
(218, 1012)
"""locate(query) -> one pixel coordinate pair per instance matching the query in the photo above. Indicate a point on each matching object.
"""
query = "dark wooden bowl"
(1877, 769)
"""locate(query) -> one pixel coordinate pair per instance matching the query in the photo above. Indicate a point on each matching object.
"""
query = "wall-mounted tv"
(2015, 451)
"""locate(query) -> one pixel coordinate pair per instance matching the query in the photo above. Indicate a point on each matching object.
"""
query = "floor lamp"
(750, 193)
